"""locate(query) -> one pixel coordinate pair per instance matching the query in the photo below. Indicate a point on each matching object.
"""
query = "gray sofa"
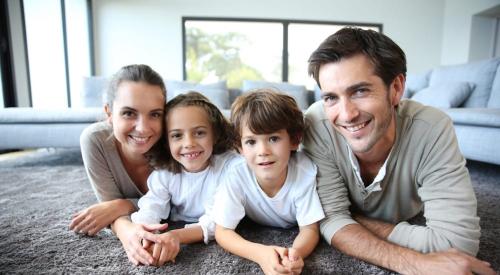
(470, 95)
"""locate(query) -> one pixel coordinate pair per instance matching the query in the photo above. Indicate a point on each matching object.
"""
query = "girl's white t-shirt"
(184, 196)
(297, 202)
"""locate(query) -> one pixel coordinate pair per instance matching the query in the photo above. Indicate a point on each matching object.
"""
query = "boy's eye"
(200, 133)
(274, 139)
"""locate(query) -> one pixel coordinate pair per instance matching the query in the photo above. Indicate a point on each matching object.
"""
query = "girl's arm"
(267, 257)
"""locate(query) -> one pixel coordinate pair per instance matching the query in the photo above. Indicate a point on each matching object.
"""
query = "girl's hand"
(166, 249)
(271, 260)
(131, 236)
(93, 219)
(293, 261)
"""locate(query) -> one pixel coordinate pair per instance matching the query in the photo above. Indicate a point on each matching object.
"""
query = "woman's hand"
(131, 236)
(94, 218)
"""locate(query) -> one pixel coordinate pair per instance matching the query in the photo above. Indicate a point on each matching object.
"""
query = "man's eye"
(128, 114)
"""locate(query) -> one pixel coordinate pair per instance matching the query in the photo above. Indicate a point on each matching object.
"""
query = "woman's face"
(137, 117)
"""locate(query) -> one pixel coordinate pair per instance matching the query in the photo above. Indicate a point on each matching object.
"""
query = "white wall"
(150, 31)
(457, 28)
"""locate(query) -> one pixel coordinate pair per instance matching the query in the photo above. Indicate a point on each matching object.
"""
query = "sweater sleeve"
(449, 202)
(332, 191)
(98, 171)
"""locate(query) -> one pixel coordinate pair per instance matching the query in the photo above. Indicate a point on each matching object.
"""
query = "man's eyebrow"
(359, 85)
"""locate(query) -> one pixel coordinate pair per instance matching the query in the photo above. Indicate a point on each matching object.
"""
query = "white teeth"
(191, 155)
(139, 139)
(356, 127)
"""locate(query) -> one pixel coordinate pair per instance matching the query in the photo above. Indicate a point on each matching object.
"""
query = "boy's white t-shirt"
(297, 202)
(184, 196)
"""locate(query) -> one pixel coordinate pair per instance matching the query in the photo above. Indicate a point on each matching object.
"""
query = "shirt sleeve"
(450, 205)
(332, 191)
(98, 171)
(228, 209)
(155, 205)
(307, 202)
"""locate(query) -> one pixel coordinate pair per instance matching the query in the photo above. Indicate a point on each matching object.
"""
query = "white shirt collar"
(375, 184)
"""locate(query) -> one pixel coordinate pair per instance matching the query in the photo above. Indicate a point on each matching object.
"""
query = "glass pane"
(233, 51)
(45, 53)
(303, 39)
(78, 47)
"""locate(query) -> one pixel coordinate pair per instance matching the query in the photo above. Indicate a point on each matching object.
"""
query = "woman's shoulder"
(97, 134)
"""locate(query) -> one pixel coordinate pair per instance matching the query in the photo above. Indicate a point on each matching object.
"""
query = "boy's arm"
(306, 240)
(268, 257)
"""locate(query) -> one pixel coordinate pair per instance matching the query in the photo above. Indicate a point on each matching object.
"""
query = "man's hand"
(293, 261)
(93, 219)
(270, 260)
(451, 261)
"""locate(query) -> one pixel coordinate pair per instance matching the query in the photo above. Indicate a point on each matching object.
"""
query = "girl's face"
(190, 137)
(137, 117)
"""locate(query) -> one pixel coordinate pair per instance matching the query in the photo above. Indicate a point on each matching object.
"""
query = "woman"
(115, 153)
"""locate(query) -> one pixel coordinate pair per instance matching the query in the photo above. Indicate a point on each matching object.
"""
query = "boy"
(273, 185)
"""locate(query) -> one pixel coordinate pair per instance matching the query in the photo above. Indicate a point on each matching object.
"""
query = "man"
(381, 161)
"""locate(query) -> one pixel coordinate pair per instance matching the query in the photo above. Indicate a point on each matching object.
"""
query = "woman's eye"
(157, 115)
(200, 133)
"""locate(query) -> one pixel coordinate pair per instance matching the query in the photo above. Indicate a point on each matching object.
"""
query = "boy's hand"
(271, 260)
(293, 261)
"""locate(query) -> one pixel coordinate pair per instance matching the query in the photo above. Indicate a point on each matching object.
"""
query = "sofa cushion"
(21, 115)
(481, 73)
(415, 83)
(487, 117)
(217, 92)
(443, 95)
(298, 92)
(93, 91)
(494, 101)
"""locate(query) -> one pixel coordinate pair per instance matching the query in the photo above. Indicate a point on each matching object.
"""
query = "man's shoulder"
(413, 112)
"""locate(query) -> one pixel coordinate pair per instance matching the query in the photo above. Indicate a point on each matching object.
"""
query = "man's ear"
(107, 111)
(397, 89)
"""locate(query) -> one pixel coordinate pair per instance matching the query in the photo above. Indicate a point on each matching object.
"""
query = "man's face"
(359, 105)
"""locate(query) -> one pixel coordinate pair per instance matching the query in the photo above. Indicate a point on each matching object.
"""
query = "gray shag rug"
(39, 192)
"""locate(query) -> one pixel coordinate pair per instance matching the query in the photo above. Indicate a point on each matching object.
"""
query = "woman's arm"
(268, 257)
(94, 218)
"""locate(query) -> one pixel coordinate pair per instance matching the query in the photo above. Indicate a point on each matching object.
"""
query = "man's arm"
(357, 241)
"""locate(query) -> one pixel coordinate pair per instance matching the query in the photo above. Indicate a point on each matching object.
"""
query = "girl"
(115, 153)
(199, 143)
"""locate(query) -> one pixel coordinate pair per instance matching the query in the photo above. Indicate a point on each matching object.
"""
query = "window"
(253, 49)
(58, 46)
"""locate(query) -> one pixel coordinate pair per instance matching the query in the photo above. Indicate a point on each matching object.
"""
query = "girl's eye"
(200, 133)
(175, 136)
(250, 142)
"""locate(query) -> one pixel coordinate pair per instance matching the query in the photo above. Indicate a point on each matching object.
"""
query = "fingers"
(139, 254)
(293, 255)
(276, 264)
(155, 227)
(157, 250)
(76, 220)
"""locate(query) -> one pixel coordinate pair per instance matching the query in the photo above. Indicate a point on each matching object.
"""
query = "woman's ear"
(108, 112)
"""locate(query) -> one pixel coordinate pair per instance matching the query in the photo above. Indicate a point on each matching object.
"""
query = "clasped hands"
(281, 260)
(164, 248)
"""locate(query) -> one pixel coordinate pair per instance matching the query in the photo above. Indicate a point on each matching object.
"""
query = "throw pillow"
(444, 95)
(298, 92)
(217, 92)
(93, 91)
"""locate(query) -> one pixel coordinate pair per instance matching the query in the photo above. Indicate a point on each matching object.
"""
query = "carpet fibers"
(39, 192)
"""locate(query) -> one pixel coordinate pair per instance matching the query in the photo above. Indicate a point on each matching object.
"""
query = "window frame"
(284, 22)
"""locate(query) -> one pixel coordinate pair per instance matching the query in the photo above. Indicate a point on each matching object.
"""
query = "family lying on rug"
(368, 162)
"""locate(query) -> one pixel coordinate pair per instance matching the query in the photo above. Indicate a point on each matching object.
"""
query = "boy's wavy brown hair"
(160, 156)
(266, 111)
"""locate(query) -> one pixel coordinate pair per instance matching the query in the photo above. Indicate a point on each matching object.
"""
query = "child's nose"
(189, 141)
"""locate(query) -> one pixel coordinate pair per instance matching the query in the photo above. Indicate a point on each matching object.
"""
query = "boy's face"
(267, 155)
